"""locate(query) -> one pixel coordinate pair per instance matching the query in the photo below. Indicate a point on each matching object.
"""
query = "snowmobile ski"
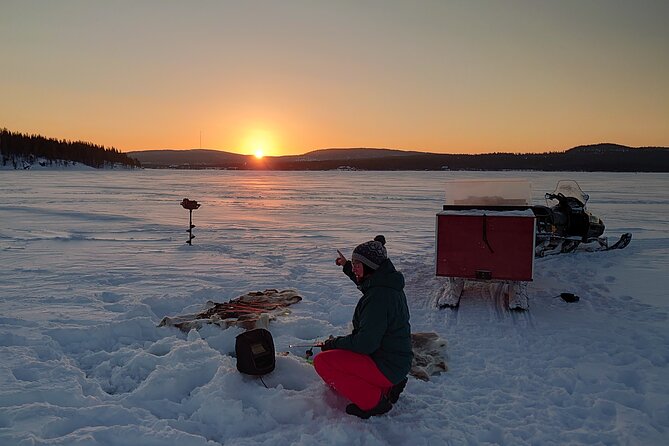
(622, 242)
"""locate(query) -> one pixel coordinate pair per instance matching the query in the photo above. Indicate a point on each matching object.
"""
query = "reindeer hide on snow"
(428, 349)
(251, 310)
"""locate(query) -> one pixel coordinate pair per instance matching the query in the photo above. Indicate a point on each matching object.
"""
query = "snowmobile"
(565, 223)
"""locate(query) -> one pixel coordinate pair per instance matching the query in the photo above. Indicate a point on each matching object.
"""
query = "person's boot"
(382, 407)
(394, 392)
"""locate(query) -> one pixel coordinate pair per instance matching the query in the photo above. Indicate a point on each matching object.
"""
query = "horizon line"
(403, 150)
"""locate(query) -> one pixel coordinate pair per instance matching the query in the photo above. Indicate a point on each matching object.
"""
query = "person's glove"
(328, 345)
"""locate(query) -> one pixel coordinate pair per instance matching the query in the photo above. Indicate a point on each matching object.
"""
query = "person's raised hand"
(340, 260)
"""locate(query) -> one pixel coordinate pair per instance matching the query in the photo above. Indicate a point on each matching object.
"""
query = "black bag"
(255, 352)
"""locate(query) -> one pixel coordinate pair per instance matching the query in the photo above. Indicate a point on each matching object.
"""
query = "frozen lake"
(92, 261)
(272, 225)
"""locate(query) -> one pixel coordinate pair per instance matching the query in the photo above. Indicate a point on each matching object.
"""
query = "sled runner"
(514, 294)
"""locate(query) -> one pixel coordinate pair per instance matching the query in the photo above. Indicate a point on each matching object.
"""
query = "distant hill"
(607, 147)
(357, 153)
(605, 157)
(199, 158)
(21, 151)
(184, 158)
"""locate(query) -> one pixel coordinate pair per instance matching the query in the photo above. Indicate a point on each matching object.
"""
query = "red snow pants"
(353, 375)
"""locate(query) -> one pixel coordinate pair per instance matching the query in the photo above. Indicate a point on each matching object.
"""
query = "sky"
(288, 77)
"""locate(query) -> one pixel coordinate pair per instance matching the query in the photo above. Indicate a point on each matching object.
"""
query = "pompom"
(381, 239)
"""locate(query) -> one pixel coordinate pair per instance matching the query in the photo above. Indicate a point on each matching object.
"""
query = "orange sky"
(287, 77)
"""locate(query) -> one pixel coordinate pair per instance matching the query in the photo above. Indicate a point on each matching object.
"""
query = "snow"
(44, 164)
(92, 260)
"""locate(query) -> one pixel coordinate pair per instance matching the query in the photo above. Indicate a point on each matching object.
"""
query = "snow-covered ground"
(91, 261)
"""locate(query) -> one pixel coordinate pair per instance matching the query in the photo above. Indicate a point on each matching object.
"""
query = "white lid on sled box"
(488, 192)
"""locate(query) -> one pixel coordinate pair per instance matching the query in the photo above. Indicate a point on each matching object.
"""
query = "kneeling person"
(370, 366)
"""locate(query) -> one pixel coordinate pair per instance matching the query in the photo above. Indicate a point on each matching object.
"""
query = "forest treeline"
(21, 151)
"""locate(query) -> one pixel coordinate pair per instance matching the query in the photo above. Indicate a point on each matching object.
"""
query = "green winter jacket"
(381, 323)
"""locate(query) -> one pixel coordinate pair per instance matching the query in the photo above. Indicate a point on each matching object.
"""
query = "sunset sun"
(260, 143)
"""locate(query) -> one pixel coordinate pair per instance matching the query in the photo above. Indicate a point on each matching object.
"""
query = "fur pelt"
(251, 310)
(428, 349)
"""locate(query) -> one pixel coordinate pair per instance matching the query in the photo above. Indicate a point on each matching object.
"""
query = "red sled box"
(485, 244)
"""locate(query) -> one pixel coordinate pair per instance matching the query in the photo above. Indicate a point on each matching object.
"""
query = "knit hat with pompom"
(372, 253)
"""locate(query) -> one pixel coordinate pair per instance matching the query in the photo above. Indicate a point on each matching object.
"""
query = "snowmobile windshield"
(570, 188)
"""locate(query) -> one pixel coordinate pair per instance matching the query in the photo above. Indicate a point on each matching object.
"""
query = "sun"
(260, 143)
